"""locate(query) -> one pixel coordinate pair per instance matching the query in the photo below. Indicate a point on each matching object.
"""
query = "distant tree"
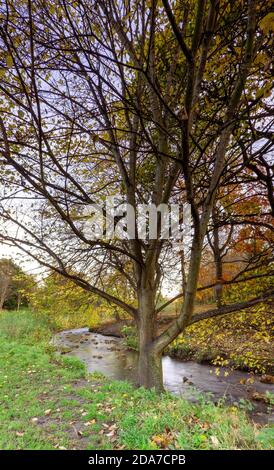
(6, 273)
(15, 285)
(71, 306)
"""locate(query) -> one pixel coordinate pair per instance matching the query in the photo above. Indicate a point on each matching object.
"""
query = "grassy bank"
(48, 402)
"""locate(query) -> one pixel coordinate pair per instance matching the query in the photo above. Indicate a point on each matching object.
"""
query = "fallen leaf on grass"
(205, 426)
(89, 423)
(163, 440)
(214, 441)
(193, 420)
(113, 426)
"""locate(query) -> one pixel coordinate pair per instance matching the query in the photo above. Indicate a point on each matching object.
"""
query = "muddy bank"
(114, 328)
(111, 328)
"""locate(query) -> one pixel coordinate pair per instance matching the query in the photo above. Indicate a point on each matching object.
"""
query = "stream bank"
(238, 350)
(110, 356)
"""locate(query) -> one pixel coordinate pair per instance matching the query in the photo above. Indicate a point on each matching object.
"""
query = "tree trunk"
(183, 272)
(219, 278)
(18, 301)
(116, 314)
(150, 373)
(218, 262)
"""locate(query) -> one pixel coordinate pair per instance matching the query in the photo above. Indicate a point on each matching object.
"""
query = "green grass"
(48, 402)
(25, 326)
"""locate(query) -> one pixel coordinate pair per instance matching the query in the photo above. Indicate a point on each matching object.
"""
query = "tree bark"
(218, 289)
(150, 371)
(150, 374)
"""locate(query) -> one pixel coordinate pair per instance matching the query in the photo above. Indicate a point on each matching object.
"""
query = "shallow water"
(108, 355)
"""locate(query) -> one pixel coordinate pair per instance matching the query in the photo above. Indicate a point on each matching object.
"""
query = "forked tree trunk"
(150, 373)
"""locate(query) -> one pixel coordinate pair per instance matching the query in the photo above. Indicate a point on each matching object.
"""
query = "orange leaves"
(165, 439)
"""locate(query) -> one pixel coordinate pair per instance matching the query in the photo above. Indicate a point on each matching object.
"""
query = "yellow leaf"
(9, 61)
(267, 23)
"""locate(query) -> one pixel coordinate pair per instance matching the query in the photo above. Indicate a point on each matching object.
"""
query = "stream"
(109, 356)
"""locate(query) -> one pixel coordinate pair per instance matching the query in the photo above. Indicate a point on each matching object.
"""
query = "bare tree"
(144, 99)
